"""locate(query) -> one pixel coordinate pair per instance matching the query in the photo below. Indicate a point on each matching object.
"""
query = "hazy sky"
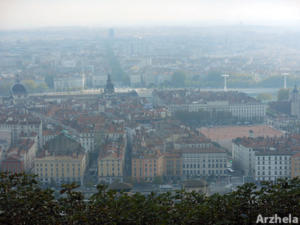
(15, 14)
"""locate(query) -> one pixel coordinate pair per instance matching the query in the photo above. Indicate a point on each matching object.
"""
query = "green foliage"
(22, 201)
(49, 81)
(5, 87)
(212, 80)
(32, 86)
(271, 82)
(283, 95)
(241, 81)
(264, 97)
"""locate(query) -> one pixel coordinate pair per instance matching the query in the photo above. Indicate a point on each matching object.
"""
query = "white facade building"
(69, 83)
(241, 111)
(248, 111)
(204, 162)
(244, 158)
(261, 161)
(271, 165)
(87, 141)
(22, 128)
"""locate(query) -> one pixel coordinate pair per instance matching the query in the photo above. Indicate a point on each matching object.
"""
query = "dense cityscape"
(112, 115)
(113, 110)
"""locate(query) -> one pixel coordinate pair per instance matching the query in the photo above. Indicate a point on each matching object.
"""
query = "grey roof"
(63, 145)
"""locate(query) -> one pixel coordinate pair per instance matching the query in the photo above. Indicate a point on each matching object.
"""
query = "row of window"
(57, 169)
(110, 175)
(150, 169)
(60, 180)
(198, 172)
(271, 157)
(108, 165)
(274, 173)
(208, 160)
(269, 178)
(56, 175)
(269, 162)
(203, 165)
(146, 175)
(263, 168)
(56, 164)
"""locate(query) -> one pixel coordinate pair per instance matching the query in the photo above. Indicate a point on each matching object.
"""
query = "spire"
(108, 78)
(295, 90)
(17, 79)
(109, 89)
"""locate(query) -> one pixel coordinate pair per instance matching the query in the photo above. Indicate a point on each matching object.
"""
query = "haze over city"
(149, 112)
(22, 14)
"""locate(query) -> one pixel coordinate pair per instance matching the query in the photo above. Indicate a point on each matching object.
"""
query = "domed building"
(18, 92)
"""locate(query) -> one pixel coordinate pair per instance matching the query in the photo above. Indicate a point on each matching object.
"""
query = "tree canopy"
(283, 95)
(22, 201)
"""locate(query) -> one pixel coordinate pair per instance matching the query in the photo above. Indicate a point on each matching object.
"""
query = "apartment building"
(239, 105)
(20, 156)
(265, 158)
(147, 166)
(272, 164)
(203, 162)
(111, 162)
(172, 165)
(61, 160)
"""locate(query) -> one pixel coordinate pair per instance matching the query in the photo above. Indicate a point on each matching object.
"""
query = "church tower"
(109, 88)
(295, 102)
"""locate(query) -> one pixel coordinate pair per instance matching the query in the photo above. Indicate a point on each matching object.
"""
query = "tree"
(264, 97)
(283, 95)
(213, 79)
(5, 87)
(30, 85)
(49, 81)
(22, 201)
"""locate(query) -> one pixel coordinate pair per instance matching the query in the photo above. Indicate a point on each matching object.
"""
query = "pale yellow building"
(111, 164)
(145, 167)
(62, 160)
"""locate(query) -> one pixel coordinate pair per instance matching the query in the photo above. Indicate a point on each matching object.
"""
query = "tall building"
(109, 88)
(295, 102)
